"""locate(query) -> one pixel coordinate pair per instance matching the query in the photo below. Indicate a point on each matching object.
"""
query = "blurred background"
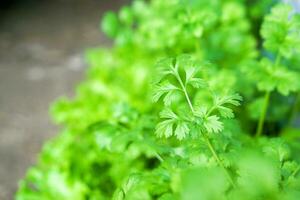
(42, 44)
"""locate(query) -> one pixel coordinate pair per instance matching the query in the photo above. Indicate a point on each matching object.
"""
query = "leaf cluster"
(172, 109)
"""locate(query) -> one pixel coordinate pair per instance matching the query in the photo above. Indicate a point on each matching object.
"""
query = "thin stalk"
(263, 114)
(207, 140)
(294, 109)
(185, 92)
(158, 157)
(296, 171)
(216, 157)
(262, 117)
(294, 174)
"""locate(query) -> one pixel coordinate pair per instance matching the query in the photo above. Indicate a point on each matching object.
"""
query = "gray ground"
(41, 58)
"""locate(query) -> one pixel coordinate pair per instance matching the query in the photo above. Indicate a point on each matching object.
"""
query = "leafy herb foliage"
(213, 119)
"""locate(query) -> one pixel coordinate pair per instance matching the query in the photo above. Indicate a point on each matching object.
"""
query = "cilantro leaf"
(182, 130)
(162, 89)
(213, 124)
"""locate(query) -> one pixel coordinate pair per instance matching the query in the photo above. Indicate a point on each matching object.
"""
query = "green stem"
(207, 140)
(158, 157)
(185, 92)
(216, 157)
(263, 114)
(296, 171)
(294, 109)
(262, 117)
(294, 174)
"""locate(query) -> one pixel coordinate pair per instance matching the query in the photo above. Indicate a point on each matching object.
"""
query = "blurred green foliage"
(196, 100)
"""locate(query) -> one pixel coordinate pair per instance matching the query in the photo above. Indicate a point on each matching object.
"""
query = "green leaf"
(126, 15)
(190, 73)
(110, 24)
(275, 27)
(212, 124)
(131, 182)
(286, 81)
(170, 97)
(168, 113)
(164, 68)
(225, 112)
(277, 77)
(198, 31)
(288, 169)
(163, 88)
(281, 31)
(197, 83)
(201, 111)
(233, 99)
(167, 196)
(223, 101)
(118, 195)
(182, 130)
(277, 148)
(165, 128)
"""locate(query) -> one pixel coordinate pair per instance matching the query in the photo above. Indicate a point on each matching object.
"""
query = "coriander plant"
(195, 100)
